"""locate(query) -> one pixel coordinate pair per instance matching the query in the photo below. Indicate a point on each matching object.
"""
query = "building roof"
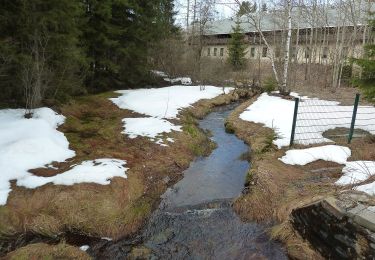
(301, 18)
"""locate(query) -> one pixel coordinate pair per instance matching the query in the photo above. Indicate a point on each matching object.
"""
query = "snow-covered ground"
(356, 171)
(150, 127)
(160, 104)
(353, 172)
(274, 112)
(332, 153)
(182, 80)
(277, 113)
(99, 171)
(33, 143)
(29, 143)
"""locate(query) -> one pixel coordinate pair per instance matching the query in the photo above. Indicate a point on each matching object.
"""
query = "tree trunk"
(283, 89)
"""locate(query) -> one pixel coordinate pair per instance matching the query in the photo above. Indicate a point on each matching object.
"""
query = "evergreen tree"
(52, 48)
(367, 63)
(40, 54)
(237, 49)
(100, 40)
(118, 37)
(246, 7)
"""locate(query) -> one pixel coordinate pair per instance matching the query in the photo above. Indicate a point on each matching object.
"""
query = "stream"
(195, 219)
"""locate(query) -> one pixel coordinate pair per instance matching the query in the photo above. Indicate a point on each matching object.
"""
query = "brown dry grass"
(93, 128)
(276, 188)
(45, 251)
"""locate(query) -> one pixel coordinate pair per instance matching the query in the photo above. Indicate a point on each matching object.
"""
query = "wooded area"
(52, 49)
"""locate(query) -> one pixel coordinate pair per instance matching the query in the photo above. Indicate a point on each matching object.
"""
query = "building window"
(264, 52)
(307, 53)
(215, 51)
(252, 52)
(345, 51)
(221, 52)
(325, 53)
(293, 52)
(277, 52)
(208, 51)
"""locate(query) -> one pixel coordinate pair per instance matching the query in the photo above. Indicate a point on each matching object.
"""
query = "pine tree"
(41, 53)
(118, 36)
(367, 80)
(246, 7)
(52, 48)
(99, 39)
(237, 49)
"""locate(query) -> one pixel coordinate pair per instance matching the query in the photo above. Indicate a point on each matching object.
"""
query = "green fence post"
(354, 116)
(296, 103)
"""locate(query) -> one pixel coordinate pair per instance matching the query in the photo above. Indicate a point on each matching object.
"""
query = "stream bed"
(195, 219)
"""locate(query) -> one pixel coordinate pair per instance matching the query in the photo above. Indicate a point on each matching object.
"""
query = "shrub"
(270, 84)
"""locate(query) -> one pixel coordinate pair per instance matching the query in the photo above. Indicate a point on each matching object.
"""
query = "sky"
(224, 9)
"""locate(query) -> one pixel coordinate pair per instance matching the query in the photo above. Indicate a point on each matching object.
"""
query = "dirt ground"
(93, 128)
(275, 189)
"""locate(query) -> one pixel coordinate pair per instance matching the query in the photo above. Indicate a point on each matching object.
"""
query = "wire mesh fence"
(320, 121)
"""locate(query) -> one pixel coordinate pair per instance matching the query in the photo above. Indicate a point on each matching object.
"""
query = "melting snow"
(164, 102)
(147, 126)
(275, 112)
(332, 153)
(353, 173)
(29, 143)
(33, 143)
(356, 171)
(98, 171)
(84, 248)
(160, 104)
(184, 80)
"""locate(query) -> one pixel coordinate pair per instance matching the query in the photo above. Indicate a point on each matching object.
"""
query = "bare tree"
(35, 74)
(203, 12)
(255, 19)
(288, 8)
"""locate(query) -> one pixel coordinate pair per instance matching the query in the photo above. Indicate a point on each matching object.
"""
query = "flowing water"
(195, 219)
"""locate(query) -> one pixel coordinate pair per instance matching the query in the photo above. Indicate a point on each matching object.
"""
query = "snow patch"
(84, 248)
(98, 171)
(369, 189)
(160, 73)
(332, 153)
(184, 80)
(273, 112)
(277, 113)
(28, 144)
(160, 104)
(164, 102)
(147, 126)
(356, 172)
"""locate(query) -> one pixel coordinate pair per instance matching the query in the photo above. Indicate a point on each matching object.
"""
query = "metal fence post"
(296, 103)
(354, 116)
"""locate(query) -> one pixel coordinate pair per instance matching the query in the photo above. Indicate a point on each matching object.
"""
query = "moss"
(140, 209)
(229, 127)
(250, 177)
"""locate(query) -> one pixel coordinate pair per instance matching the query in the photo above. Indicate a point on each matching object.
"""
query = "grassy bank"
(275, 189)
(93, 127)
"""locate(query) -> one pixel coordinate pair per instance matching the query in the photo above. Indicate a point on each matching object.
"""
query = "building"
(319, 35)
